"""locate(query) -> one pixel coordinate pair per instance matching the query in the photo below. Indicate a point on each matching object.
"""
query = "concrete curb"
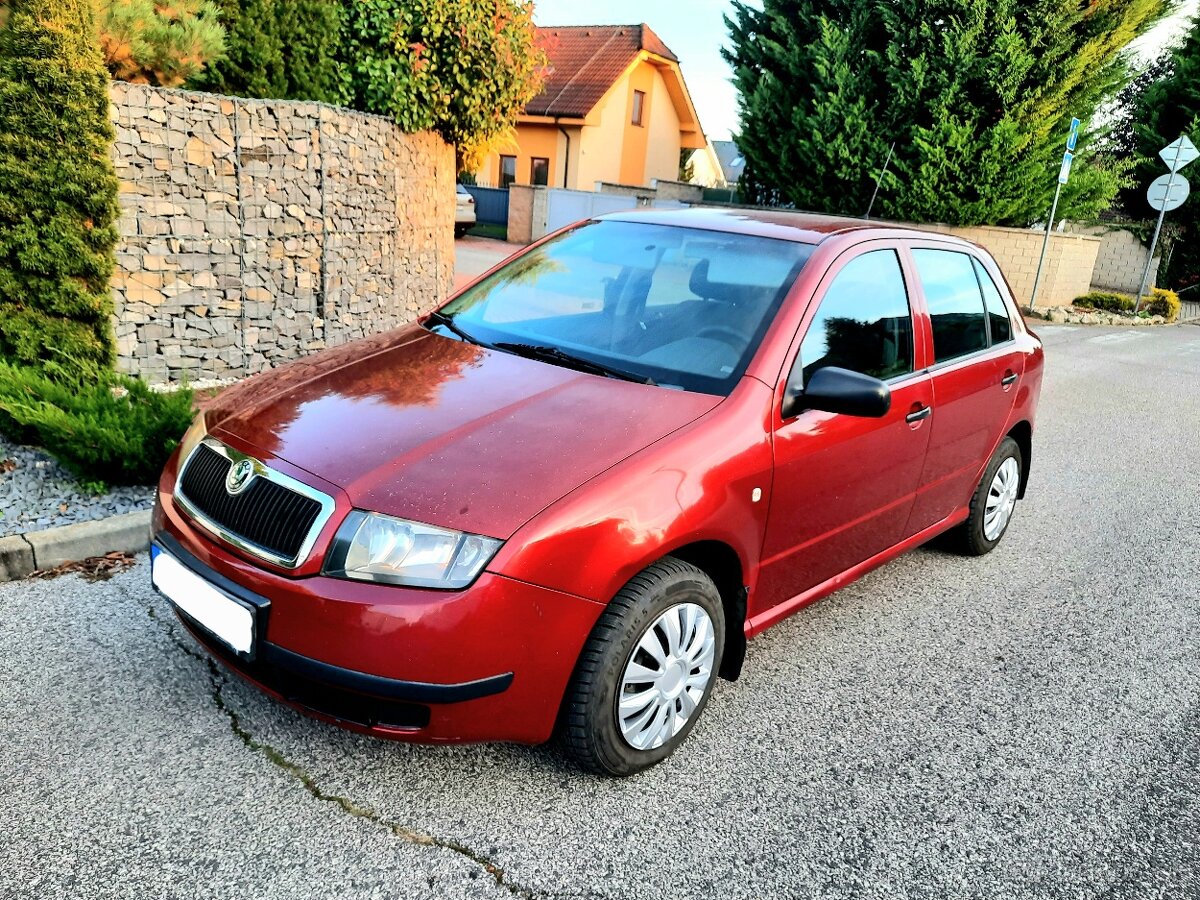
(22, 554)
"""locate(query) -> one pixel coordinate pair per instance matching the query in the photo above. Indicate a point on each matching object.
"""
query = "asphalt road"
(1022, 725)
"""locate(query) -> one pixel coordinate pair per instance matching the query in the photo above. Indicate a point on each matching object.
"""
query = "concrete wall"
(254, 232)
(640, 192)
(684, 191)
(1121, 260)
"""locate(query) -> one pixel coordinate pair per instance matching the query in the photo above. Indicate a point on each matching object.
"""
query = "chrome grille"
(273, 516)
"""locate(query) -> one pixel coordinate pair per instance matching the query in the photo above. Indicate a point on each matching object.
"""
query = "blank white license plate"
(219, 613)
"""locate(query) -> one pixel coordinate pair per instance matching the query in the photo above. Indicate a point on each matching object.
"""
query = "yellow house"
(614, 108)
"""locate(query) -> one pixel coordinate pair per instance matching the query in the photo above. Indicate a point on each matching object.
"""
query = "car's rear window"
(685, 307)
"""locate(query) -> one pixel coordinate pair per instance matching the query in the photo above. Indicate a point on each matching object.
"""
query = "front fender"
(696, 484)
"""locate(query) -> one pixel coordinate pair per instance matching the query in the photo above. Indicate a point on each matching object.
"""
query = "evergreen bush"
(162, 42)
(109, 430)
(280, 49)
(1161, 302)
(976, 96)
(1109, 302)
(58, 190)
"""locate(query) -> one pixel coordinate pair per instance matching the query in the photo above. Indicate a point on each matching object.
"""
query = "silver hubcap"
(1001, 498)
(666, 676)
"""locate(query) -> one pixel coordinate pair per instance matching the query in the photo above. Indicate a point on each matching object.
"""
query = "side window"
(998, 320)
(864, 323)
(955, 303)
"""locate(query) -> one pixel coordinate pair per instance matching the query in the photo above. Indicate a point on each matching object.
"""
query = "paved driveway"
(475, 255)
(1022, 725)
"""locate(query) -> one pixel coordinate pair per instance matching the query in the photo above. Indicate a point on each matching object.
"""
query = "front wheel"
(993, 503)
(647, 671)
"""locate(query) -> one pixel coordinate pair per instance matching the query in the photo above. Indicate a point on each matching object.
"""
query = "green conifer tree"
(1168, 108)
(281, 49)
(976, 94)
(58, 190)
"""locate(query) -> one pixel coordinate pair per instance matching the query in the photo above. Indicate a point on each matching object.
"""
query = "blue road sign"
(1073, 137)
(1065, 172)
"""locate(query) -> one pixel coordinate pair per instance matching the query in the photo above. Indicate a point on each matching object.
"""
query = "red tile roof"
(585, 61)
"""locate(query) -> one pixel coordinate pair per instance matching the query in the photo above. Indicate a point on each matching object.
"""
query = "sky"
(695, 31)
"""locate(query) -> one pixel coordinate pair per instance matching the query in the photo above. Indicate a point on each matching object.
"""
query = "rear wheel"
(647, 670)
(993, 503)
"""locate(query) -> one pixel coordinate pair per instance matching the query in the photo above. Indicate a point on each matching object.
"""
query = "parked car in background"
(571, 494)
(464, 210)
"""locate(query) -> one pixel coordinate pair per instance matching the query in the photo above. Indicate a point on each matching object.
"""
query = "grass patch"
(489, 230)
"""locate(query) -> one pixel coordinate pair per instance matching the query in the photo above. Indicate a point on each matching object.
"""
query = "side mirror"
(837, 391)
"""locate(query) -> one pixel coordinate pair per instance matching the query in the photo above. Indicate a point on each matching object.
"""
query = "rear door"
(975, 372)
(844, 485)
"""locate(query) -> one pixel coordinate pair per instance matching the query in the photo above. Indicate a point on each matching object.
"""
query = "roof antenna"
(879, 180)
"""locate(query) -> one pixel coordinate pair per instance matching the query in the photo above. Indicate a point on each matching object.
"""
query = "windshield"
(679, 307)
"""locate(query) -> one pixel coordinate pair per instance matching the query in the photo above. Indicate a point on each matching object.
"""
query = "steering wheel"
(725, 334)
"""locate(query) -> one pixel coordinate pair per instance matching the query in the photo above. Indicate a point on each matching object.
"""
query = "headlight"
(373, 547)
(195, 434)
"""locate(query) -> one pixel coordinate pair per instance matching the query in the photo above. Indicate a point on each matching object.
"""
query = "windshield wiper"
(562, 357)
(440, 318)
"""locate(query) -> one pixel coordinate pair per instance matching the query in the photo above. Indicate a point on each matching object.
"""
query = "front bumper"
(488, 663)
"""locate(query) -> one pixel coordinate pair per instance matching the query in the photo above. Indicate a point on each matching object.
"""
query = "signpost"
(1167, 192)
(1064, 175)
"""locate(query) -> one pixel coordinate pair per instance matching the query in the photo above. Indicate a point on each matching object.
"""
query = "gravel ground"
(1023, 725)
(38, 493)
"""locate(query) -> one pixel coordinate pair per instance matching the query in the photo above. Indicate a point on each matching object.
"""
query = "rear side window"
(864, 323)
(955, 303)
(999, 323)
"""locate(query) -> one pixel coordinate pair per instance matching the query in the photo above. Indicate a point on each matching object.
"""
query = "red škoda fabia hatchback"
(564, 500)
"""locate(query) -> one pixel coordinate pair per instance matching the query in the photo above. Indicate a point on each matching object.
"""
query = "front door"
(976, 371)
(844, 485)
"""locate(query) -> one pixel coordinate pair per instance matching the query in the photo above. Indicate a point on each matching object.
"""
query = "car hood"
(425, 427)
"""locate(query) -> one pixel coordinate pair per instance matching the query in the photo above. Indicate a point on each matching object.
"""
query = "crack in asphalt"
(218, 680)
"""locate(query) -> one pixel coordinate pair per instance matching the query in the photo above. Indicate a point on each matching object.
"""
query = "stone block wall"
(1067, 273)
(254, 232)
(1121, 261)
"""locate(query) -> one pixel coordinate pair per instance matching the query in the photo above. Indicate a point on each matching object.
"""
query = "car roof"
(807, 228)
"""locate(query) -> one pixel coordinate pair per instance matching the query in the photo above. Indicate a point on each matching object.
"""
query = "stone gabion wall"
(254, 232)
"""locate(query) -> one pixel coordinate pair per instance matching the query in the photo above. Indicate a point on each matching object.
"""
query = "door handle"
(917, 415)
(1008, 379)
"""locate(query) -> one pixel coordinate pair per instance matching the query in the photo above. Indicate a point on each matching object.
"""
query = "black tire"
(968, 538)
(591, 730)
(460, 230)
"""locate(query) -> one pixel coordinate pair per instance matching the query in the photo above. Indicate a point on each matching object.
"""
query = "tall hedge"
(1168, 108)
(58, 190)
(976, 94)
(280, 49)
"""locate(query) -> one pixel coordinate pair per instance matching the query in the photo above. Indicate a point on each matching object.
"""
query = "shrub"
(465, 68)
(58, 191)
(282, 49)
(113, 430)
(1104, 300)
(163, 42)
(1161, 302)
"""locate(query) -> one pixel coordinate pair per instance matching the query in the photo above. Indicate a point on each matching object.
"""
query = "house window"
(539, 170)
(639, 104)
(508, 170)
